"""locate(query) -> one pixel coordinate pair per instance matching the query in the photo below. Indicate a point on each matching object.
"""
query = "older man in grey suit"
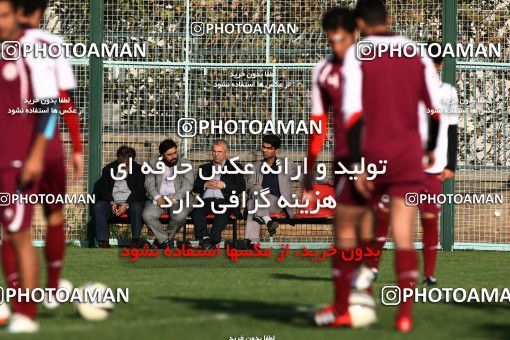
(278, 184)
(168, 187)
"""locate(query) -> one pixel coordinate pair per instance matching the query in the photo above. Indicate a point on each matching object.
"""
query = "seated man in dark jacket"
(215, 191)
(118, 196)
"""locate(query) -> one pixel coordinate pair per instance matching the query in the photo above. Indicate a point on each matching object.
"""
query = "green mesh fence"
(144, 98)
(71, 20)
(483, 87)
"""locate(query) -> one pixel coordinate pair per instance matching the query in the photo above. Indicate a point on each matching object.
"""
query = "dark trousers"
(200, 220)
(101, 212)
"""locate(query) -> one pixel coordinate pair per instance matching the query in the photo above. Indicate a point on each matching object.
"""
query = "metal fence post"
(186, 76)
(95, 137)
(447, 236)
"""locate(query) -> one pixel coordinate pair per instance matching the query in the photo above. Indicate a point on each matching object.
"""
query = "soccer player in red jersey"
(339, 27)
(24, 138)
(382, 92)
(443, 169)
(51, 181)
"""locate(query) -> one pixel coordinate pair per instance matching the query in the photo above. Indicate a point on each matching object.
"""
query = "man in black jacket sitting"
(215, 189)
(119, 190)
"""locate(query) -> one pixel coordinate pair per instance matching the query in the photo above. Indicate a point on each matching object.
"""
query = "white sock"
(266, 219)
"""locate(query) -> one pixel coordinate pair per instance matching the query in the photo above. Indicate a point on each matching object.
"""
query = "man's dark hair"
(165, 145)
(274, 140)
(435, 51)
(373, 12)
(339, 17)
(30, 6)
(125, 152)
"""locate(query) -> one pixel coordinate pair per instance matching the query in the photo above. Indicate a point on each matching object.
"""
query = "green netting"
(71, 20)
(484, 86)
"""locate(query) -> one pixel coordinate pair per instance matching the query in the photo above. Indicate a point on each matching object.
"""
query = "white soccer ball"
(65, 284)
(94, 310)
(54, 303)
(362, 309)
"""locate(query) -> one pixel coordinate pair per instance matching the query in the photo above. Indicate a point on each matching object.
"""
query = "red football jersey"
(327, 94)
(21, 82)
(387, 90)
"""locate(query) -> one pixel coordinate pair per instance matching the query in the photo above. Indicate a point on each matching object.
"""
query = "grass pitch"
(217, 299)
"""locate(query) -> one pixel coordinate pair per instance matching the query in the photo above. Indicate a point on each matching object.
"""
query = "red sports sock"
(369, 261)
(28, 308)
(342, 279)
(381, 233)
(9, 265)
(54, 251)
(430, 242)
(406, 262)
(10, 269)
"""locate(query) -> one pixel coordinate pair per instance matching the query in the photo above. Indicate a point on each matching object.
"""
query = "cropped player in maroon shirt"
(327, 80)
(443, 169)
(381, 99)
(53, 181)
(24, 138)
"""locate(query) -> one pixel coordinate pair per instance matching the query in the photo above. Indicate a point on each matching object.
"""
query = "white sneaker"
(430, 281)
(363, 278)
(22, 324)
(53, 303)
(325, 316)
(5, 314)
